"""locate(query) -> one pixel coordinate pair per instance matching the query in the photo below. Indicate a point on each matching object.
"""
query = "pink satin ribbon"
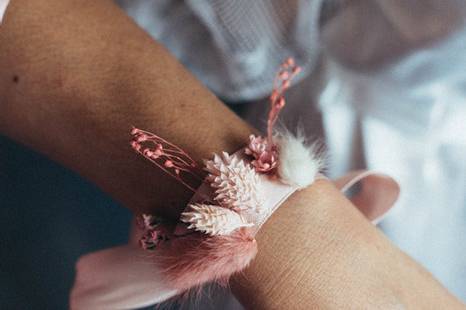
(377, 194)
(3, 5)
(124, 277)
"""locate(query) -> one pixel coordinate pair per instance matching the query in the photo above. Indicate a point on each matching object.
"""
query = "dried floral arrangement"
(214, 237)
(231, 211)
(235, 179)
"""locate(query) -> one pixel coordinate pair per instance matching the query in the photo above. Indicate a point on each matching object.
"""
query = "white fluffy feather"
(298, 163)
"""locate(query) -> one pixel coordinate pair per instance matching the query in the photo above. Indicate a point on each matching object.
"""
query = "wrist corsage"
(214, 237)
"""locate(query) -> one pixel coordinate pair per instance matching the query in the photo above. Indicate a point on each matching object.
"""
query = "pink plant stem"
(177, 177)
(176, 150)
(168, 157)
(288, 70)
(168, 143)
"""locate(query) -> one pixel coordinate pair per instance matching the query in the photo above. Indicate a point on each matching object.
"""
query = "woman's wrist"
(318, 251)
(283, 265)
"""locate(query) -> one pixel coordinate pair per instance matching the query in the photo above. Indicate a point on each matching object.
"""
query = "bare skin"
(75, 75)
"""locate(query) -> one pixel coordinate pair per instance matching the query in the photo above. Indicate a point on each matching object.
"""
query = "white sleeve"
(3, 5)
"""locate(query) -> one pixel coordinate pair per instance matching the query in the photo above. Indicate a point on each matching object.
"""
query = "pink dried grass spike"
(167, 156)
(288, 70)
(264, 150)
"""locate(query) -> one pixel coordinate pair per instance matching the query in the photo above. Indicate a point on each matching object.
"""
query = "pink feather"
(196, 259)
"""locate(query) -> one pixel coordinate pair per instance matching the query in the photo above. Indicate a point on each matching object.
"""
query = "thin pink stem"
(157, 138)
(177, 177)
(288, 70)
(168, 157)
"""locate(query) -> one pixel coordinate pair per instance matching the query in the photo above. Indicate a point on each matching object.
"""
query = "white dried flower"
(299, 162)
(213, 220)
(236, 183)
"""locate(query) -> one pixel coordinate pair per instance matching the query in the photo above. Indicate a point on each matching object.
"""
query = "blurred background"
(49, 217)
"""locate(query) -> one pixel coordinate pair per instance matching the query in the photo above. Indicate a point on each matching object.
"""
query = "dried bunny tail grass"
(195, 297)
(196, 259)
(299, 161)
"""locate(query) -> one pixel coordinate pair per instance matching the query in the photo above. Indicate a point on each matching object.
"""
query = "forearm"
(318, 252)
(74, 77)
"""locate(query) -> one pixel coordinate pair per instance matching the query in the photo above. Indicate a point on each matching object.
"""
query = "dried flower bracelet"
(215, 235)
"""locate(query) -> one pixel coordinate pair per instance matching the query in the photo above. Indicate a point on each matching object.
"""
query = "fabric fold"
(122, 277)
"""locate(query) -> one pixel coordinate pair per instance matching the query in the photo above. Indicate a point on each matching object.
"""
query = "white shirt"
(233, 47)
(407, 118)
